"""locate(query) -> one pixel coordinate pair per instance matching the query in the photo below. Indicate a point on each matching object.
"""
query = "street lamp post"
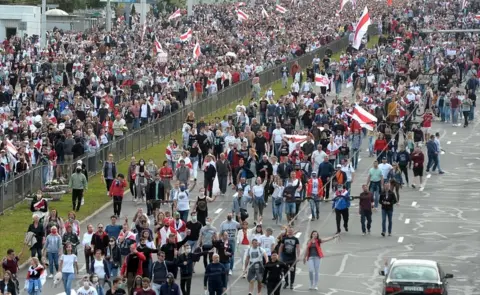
(43, 30)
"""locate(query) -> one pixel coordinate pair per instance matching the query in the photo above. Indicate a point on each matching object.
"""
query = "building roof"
(56, 12)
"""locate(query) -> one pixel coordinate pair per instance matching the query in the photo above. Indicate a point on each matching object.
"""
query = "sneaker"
(389, 234)
(383, 234)
(364, 233)
(230, 272)
(285, 286)
(369, 232)
(291, 287)
(413, 186)
(50, 276)
(441, 172)
(316, 288)
(310, 288)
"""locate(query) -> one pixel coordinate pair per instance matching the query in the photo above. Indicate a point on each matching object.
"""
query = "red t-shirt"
(245, 240)
(427, 120)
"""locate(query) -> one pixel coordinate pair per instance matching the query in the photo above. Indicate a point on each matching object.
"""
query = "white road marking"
(297, 286)
(429, 175)
(414, 204)
(449, 142)
(298, 235)
(400, 240)
(343, 264)
(407, 221)
(299, 270)
(218, 210)
(454, 133)
(470, 164)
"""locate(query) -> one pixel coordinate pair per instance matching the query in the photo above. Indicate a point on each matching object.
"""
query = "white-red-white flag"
(184, 37)
(361, 28)
(342, 4)
(364, 118)
(197, 51)
(177, 13)
(464, 4)
(281, 9)
(240, 4)
(241, 15)
(11, 147)
(350, 81)
(264, 13)
(299, 139)
(158, 46)
(322, 80)
(52, 118)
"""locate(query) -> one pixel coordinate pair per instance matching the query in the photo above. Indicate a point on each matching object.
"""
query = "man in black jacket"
(171, 249)
(273, 275)
(160, 271)
(210, 173)
(215, 277)
(156, 194)
(387, 200)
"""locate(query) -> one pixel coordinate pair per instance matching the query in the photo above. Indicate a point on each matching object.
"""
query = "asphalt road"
(440, 222)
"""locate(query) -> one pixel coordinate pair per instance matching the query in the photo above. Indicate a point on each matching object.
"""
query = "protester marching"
(281, 157)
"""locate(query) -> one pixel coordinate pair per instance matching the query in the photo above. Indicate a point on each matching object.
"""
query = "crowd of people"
(289, 150)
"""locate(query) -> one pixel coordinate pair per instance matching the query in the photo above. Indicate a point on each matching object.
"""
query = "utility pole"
(190, 7)
(143, 11)
(109, 17)
(43, 30)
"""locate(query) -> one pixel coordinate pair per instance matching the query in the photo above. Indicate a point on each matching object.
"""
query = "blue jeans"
(45, 172)
(184, 215)
(454, 116)
(277, 211)
(136, 123)
(52, 260)
(290, 208)
(315, 206)
(370, 146)
(232, 243)
(447, 112)
(34, 287)
(375, 190)
(68, 278)
(441, 111)
(433, 160)
(113, 270)
(385, 214)
(472, 110)
(314, 270)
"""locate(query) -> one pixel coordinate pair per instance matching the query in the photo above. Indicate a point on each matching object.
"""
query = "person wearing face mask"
(170, 248)
(231, 227)
(99, 268)
(53, 246)
(132, 175)
(97, 284)
(186, 263)
(70, 238)
(116, 288)
(87, 288)
(156, 195)
(78, 184)
(73, 222)
(170, 288)
(147, 248)
(100, 239)
(224, 250)
(206, 237)
(141, 179)
(132, 265)
(113, 256)
(39, 205)
(181, 202)
(117, 189)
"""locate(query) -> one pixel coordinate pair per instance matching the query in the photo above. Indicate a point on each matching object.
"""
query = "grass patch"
(14, 223)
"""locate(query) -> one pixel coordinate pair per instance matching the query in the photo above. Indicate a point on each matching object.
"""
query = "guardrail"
(15, 189)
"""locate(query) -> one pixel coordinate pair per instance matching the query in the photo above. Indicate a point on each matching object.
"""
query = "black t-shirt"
(260, 144)
(194, 228)
(290, 248)
(117, 292)
(133, 261)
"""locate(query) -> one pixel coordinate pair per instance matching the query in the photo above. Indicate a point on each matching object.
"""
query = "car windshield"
(413, 273)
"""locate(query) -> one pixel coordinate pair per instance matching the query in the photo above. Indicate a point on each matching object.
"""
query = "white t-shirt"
(68, 263)
(278, 134)
(315, 186)
(98, 269)
(182, 200)
(348, 171)
(258, 190)
(256, 255)
(90, 291)
(266, 243)
(318, 158)
(385, 168)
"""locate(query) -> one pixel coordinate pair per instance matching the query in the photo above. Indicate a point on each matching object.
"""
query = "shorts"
(417, 171)
(255, 272)
(167, 185)
(290, 208)
(427, 130)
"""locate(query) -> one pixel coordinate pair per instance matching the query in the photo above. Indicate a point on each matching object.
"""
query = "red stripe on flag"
(360, 25)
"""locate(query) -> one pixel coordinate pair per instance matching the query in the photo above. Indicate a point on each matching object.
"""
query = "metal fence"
(15, 190)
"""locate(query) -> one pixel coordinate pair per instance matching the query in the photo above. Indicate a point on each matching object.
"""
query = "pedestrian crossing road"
(439, 222)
